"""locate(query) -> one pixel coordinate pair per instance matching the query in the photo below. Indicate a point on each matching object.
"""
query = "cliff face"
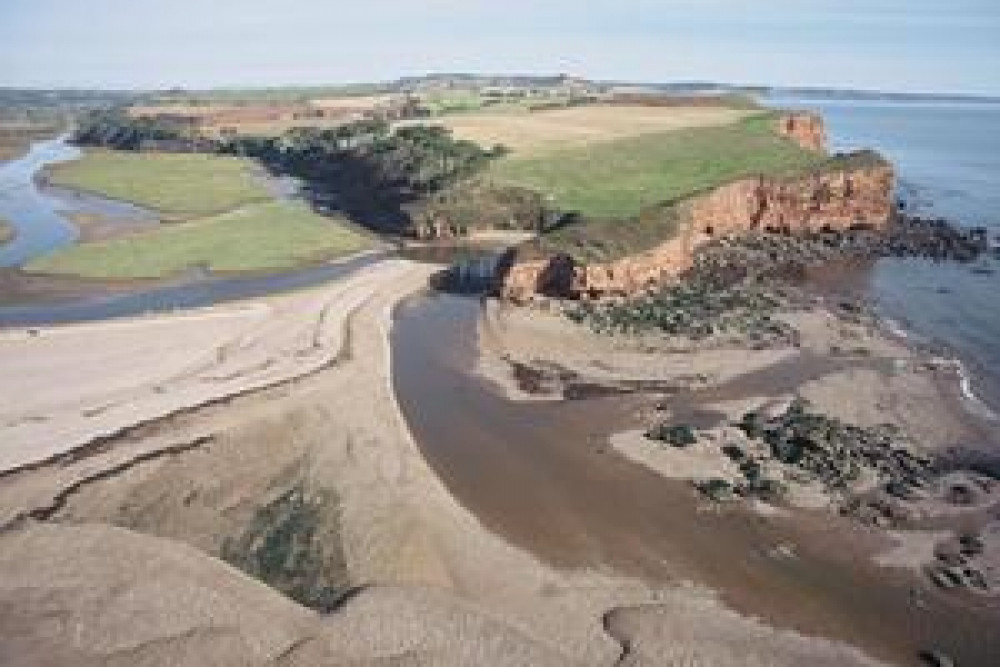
(804, 128)
(836, 199)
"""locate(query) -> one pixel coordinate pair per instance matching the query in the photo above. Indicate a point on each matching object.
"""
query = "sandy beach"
(845, 368)
(300, 399)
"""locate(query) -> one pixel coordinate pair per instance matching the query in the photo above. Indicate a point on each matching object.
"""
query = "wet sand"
(122, 540)
(544, 477)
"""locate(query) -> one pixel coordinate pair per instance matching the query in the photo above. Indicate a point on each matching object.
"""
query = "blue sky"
(907, 45)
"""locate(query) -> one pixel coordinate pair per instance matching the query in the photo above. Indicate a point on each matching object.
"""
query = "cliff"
(804, 128)
(854, 190)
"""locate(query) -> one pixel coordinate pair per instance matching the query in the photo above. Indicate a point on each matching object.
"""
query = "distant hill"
(678, 87)
(818, 93)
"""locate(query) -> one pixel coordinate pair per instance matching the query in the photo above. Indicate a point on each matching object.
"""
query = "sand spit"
(110, 551)
(66, 386)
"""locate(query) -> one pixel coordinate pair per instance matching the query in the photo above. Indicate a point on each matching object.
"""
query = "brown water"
(542, 476)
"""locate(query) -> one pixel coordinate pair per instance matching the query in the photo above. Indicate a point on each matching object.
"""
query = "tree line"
(115, 128)
(366, 168)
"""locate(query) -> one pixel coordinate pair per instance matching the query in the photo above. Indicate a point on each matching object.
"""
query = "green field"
(268, 236)
(177, 185)
(617, 179)
(273, 95)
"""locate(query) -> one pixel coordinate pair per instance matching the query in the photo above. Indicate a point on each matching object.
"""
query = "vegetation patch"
(675, 435)
(475, 205)
(178, 185)
(17, 137)
(605, 239)
(825, 449)
(369, 170)
(293, 545)
(268, 236)
(7, 231)
(618, 179)
(695, 310)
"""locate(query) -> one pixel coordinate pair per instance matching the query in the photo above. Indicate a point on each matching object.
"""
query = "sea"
(947, 159)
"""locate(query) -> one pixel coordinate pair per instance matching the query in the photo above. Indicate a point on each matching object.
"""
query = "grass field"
(618, 178)
(533, 134)
(178, 186)
(273, 235)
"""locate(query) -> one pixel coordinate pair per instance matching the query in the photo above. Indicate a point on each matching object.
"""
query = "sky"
(898, 45)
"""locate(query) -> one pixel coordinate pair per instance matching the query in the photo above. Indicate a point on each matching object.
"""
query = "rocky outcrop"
(851, 191)
(804, 128)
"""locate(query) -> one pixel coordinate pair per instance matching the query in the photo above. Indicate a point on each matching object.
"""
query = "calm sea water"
(948, 161)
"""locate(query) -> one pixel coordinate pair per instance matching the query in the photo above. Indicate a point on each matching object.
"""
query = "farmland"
(263, 236)
(178, 186)
(531, 134)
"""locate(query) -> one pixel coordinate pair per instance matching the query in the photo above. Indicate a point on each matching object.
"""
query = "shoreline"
(938, 421)
(979, 407)
(53, 300)
(430, 577)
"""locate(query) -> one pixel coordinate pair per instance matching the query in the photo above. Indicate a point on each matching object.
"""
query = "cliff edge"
(846, 191)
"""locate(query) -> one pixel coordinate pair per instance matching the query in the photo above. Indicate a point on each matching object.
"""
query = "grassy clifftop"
(625, 192)
(620, 178)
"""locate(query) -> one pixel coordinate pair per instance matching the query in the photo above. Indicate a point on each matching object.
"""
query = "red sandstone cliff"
(804, 128)
(860, 192)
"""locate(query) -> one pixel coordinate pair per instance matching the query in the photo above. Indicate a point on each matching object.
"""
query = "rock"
(734, 452)
(804, 128)
(934, 658)
(976, 579)
(941, 579)
(717, 490)
(960, 494)
(813, 203)
(950, 558)
(900, 490)
(786, 451)
(680, 435)
(970, 545)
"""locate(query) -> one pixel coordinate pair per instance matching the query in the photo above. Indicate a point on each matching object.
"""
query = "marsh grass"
(268, 236)
(179, 186)
(293, 545)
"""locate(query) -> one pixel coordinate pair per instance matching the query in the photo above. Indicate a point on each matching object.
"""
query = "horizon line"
(994, 96)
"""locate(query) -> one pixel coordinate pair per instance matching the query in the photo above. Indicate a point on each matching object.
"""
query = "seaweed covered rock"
(717, 490)
(680, 435)
(814, 446)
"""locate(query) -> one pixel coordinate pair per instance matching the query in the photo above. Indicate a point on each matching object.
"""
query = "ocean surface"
(947, 157)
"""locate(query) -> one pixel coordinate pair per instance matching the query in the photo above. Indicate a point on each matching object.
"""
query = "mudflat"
(290, 449)
(827, 566)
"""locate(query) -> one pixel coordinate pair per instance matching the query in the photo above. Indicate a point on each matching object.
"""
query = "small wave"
(975, 403)
(895, 328)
